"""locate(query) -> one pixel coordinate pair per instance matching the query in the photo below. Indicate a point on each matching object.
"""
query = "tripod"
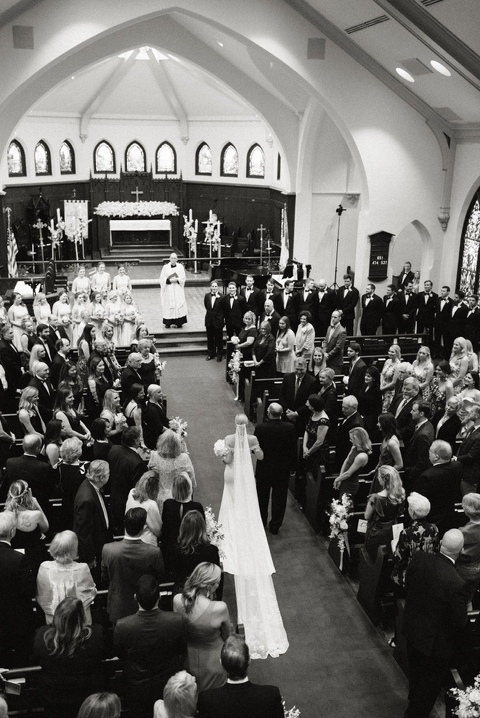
(340, 210)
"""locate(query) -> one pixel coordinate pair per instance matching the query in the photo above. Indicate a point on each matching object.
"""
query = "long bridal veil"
(253, 566)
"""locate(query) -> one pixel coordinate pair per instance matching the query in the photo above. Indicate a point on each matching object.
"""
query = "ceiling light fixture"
(403, 73)
(143, 54)
(440, 68)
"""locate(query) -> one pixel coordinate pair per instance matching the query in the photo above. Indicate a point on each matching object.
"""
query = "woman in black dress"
(246, 339)
(148, 369)
(97, 385)
(28, 413)
(314, 439)
(70, 377)
(173, 512)
(31, 523)
(72, 423)
(263, 353)
(101, 442)
(133, 406)
(370, 402)
(383, 510)
(193, 547)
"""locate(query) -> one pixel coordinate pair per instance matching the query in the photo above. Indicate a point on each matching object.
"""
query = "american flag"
(12, 251)
(284, 239)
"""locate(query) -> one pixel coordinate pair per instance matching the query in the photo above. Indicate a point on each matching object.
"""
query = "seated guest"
(64, 577)
(420, 535)
(46, 395)
(179, 697)
(193, 548)
(208, 625)
(70, 653)
(305, 337)
(29, 413)
(169, 460)
(101, 705)
(238, 697)
(31, 523)
(154, 418)
(263, 352)
(383, 510)
(370, 401)
(125, 561)
(347, 481)
(285, 346)
(446, 426)
(468, 563)
(417, 449)
(145, 495)
(33, 469)
(92, 522)
(72, 474)
(174, 510)
(126, 467)
(101, 442)
(351, 419)
(152, 645)
(97, 385)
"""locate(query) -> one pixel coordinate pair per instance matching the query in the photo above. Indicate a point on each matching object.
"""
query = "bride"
(247, 555)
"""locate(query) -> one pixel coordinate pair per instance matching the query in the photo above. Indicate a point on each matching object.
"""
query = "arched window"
(103, 157)
(67, 159)
(255, 162)
(43, 164)
(166, 158)
(135, 159)
(229, 161)
(203, 160)
(16, 160)
(468, 267)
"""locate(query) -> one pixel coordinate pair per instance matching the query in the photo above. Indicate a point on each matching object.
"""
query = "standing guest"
(269, 293)
(326, 305)
(370, 401)
(144, 495)
(447, 426)
(131, 374)
(435, 616)
(57, 330)
(251, 295)
(456, 321)
(11, 361)
(294, 392)
(285, 346)
(469, 453)
(389, 375)
(346, 300)
(37, 355)
(271, 316)
(402, 408)
(72, 424)
(7, 441)
(152, 645)
(179, 697)
(17, 589)
(70, 378)
(31, 522)
(112, 413)
(85, 343)
(408, 309)
(284, 303)
(278, 441)
(372, 311)
(246, 339)
(169, 460)
(16, 313)
(427, 302)
(390, 454)
(154, 418)
(404, 371)
(405, 277)
(443, 310)
(81, 283)
(53, 442)
(28, 337)
(317, 365)
(3, 312)
(471, 329)
(133, 407)
(191, 549)
(208, 625)
(416, 455)
(440, 484)
(328, 393)
(306, 300)
(92, 522)
(43, 337)
(174, 510)
(121, 281)
(125, 561)
(263, 352)
(472, 357)
(468, 563)
(351, 419)
(31, 468)
(334, 342)
(356, 370)
(470, 386)
(41, 308)
(101, 280)
(423, 371)
(172, 282)
(101, 442)
(126, 467)
(148, 366)
(214, 320)
(97, 385)
(238, 697)
(420, 535)
(102, 350)
(315, 447)
(305, 337)
(70, 653)
(234, 308)
(441, 387)
(72, 474)
(383, 510)
(391, 310)
(62, 348)
(64, 577)
(46, 395)
(458, 363)
(29, 414)
(347, 480)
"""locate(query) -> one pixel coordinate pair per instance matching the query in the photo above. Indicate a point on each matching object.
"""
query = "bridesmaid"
(116, 315)
(131, 314)
(81, 284)
(63, 312)
(17, 312)
(41, 309)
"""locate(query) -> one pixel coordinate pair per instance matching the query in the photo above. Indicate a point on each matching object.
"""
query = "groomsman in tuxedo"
(234, 307)
(326, 305)
(14, 373)
(284, 304)
(372, 310)
(456, 323)
(391, 311)
(427, 302)
(443, 311)
(46, 396)
(347, 300)
(472, 322)
(251, 295)
(43, 338)
(408, 310)
(405, 277)
(334, 343)
(307, 299)
(56, 331)
(270, 315)
(214, 322)
(270, 292)
(401, 407)
(356, 370)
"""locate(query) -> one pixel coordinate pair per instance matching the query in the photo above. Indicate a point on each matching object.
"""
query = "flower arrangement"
(220, 448)
(118, 318)
(340, 513)
(214, 533)
(178, 426)
(468, 700)
(234, 366)
(291, 712)
(136, 209)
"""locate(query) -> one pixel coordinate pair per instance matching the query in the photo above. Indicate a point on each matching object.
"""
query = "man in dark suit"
(46, 395)
(43, 336)
(14, 373)
(126, 467)
(328, 392)
(372, 311)
(30, 468)
(391, 310)
(326, 305)
(472, 322)
(271, 316)
(214, 321)
(238, 697)
(416, 456)
(56, 331)
(443, 312)
(284, 304)
(351, 419)
(92, 522)
(408, 310)
(278, 441)
(434, 619)
(346, 300)
(152, 644)
(154, 418)
(469, 452)
(62, 347)
(307, 299)
(130, 374)
(448, 424)
(270, 292)
(17, 590)
(405, 276)
(100, 351)
(334, 342)
(401, 408)
(234, 308)
(125, 561)
(427, 302)
(456, 322)
(355, 379)
(440, 484)
(251, 294)
(293, 395)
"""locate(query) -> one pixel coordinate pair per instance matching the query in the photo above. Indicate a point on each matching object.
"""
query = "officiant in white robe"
(172, 282)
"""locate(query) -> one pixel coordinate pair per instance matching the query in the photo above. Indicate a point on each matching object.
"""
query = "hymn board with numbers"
(379, 247)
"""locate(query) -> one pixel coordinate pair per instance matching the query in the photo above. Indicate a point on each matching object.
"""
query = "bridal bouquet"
(178, 426)
(220, 448)
(468, 700)
(214, 532)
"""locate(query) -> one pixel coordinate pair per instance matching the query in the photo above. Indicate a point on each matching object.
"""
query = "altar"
(141, 225)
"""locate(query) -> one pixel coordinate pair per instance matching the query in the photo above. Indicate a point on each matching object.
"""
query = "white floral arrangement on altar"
(214, 532)
(136, 209)
(178, 426)
(468, 700)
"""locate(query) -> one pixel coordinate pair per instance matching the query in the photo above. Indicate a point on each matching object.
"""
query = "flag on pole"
(284, 241)
(12, 251)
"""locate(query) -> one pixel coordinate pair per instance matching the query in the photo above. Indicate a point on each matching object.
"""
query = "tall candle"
(190, 216)
(52, 227)
(210, 216)
(58, 216)
(196, 226)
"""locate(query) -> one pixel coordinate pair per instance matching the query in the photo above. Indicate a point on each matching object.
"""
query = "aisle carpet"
(338, 665)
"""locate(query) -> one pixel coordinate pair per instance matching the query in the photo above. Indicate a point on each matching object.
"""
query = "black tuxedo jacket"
(237, 700)
(288, 400)
(273, 319)
(253, 302)
(472, 328)
(17, 589)
(278, 441)
(126, 467)
(128, 378)
(371, 314)
(404, 418)
(263, 296)
(448, 431)
(469, 457)
(356, 378)
(46, 399)
(214, 318)
(370, 405)
(426, 310)
(391, 311)
(89, 524)
(329, 396)
(440, 484)
(49, 351)
(12, 363)
(154, 423)
(442, 315)
(37, 473)
(307, 303)
(55, 334)
(416, 458)
(347, 301)
(408, 304)
(456, 324)
(342, 441)
(404, 279)
(286, 311)
(234, 314)
(110, 370)
(57, 363)
(326, 305)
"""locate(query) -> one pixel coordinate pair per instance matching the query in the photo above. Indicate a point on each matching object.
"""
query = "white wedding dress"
(247, 555)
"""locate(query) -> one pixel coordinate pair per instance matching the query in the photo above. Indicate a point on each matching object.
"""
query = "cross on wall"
(137, 192)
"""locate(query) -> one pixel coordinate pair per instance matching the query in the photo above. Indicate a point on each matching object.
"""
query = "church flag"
(12, 251)
(284, 251)
(76, 218)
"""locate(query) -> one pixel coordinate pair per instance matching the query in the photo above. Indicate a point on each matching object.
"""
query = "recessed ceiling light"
(440, 68)
(403, 73)
(219, 43)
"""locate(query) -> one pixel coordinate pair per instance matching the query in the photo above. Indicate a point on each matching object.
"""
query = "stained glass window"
(166, 158)
(255, 162)
(468, 279)
(67, 159)
(203, 160)
(16, 160)
(135, 160)
(103, 157)
(43, 165)
(229, 161)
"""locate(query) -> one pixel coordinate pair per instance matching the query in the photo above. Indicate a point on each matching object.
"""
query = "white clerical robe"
(174, 305)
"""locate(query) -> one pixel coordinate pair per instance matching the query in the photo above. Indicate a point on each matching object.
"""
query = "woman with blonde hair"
(472, 357)
(458, 363)
(41, 308)
(37, 355)
(64, 577)
(383, 509)
(31, 522)
(169, 460)
(208, 625)
(389, 375)
(62, 311)
(179, 698)
(17, 312)
(112, 413)
(72, 423)
(144, 495)
(29, 414)
(357, 459)
(423, 371)
(285, 346)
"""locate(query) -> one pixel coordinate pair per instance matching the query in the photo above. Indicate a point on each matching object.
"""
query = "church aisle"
(337, 665)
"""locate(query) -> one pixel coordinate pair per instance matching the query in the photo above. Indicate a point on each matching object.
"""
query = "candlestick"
(196, 226)
(58, 215)
(52, 226)
(190, 215)
(210, 216)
